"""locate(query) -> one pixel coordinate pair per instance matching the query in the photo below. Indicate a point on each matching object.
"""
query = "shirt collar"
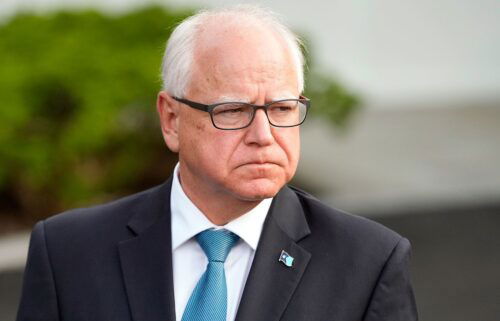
(188, 220)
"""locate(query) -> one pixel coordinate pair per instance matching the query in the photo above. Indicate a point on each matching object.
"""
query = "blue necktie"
(208, 302)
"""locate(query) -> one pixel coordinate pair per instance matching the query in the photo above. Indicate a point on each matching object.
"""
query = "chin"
(257, 190)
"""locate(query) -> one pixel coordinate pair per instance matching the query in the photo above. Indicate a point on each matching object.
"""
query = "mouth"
(259, 164)
(259, 170)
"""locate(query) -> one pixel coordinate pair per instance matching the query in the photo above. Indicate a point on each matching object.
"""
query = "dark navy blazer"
(114, 262)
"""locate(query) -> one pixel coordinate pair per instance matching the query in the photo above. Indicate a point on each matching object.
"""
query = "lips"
(256, 159)
(261, 163)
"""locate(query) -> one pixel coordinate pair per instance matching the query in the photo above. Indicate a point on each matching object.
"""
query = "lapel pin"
(286, 258)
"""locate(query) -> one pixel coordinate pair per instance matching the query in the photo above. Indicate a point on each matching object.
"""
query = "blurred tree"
(78, 123)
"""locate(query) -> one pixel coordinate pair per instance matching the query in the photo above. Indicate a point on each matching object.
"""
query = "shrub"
(78, 120)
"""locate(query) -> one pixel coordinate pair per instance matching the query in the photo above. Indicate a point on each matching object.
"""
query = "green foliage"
(78, 120)
(330, 99)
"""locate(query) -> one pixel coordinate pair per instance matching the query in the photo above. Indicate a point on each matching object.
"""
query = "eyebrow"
(226, 99)
(285, 96)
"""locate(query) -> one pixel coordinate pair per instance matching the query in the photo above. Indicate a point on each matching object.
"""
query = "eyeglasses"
(238, 115)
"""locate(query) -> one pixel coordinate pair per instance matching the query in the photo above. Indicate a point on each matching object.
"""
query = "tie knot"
(216, 243)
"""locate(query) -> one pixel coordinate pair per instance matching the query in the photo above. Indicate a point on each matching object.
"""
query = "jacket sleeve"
(39, 297)
(393, 298)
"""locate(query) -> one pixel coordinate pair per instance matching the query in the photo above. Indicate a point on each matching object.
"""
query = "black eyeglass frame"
(209, 109)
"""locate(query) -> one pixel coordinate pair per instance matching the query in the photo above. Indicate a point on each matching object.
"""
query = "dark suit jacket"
(114, 262)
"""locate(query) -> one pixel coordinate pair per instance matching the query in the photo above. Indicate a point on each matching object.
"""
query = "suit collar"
(270, 283)
(188, 220)
(286, 210)
(288, 213)
(154, 205)
(146, 258)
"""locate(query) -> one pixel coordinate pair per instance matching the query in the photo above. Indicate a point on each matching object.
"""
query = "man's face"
(248, 164)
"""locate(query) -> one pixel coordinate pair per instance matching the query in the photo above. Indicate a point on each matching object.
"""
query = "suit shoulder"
(112, 214)
(339, 224)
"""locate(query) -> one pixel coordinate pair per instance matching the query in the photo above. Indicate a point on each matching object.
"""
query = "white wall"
(390, 51)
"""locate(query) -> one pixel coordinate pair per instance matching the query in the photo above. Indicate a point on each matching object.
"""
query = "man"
(224, 238)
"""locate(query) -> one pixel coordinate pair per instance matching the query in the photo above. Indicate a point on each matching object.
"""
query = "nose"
(259, 132)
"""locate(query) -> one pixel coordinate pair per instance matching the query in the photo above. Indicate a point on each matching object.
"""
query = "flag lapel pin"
(286, 258)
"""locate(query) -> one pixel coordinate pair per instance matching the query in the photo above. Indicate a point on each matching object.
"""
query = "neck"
(219, 207)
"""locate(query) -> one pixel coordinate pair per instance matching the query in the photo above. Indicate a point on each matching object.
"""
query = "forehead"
(233, 58)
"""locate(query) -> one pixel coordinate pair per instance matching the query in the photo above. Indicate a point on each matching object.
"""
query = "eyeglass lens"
(283, 113)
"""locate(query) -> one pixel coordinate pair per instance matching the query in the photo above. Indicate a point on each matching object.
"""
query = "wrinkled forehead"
(229, 28)
(228, 54)
(240, 45)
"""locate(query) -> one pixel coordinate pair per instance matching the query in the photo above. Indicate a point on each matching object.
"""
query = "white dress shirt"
(189, 260)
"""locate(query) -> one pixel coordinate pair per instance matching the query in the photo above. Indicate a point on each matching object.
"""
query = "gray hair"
(179, 53)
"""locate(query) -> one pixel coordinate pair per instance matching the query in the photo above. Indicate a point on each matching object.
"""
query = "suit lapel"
(271, 283)
(146, 259)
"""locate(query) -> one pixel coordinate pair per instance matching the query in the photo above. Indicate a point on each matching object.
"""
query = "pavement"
(455, 263)
(13, 249)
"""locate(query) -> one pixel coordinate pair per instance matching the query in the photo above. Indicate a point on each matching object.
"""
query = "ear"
(168, 110)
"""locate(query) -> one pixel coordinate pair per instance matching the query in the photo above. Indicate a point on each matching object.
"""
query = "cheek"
(209, 147)
(191, 131)
(289, 141)
(291, 147)
(224, 148)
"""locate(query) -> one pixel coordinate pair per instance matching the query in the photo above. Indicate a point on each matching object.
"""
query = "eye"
(227, 109)
(282, 107)
(230, 109)
(234, 110)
